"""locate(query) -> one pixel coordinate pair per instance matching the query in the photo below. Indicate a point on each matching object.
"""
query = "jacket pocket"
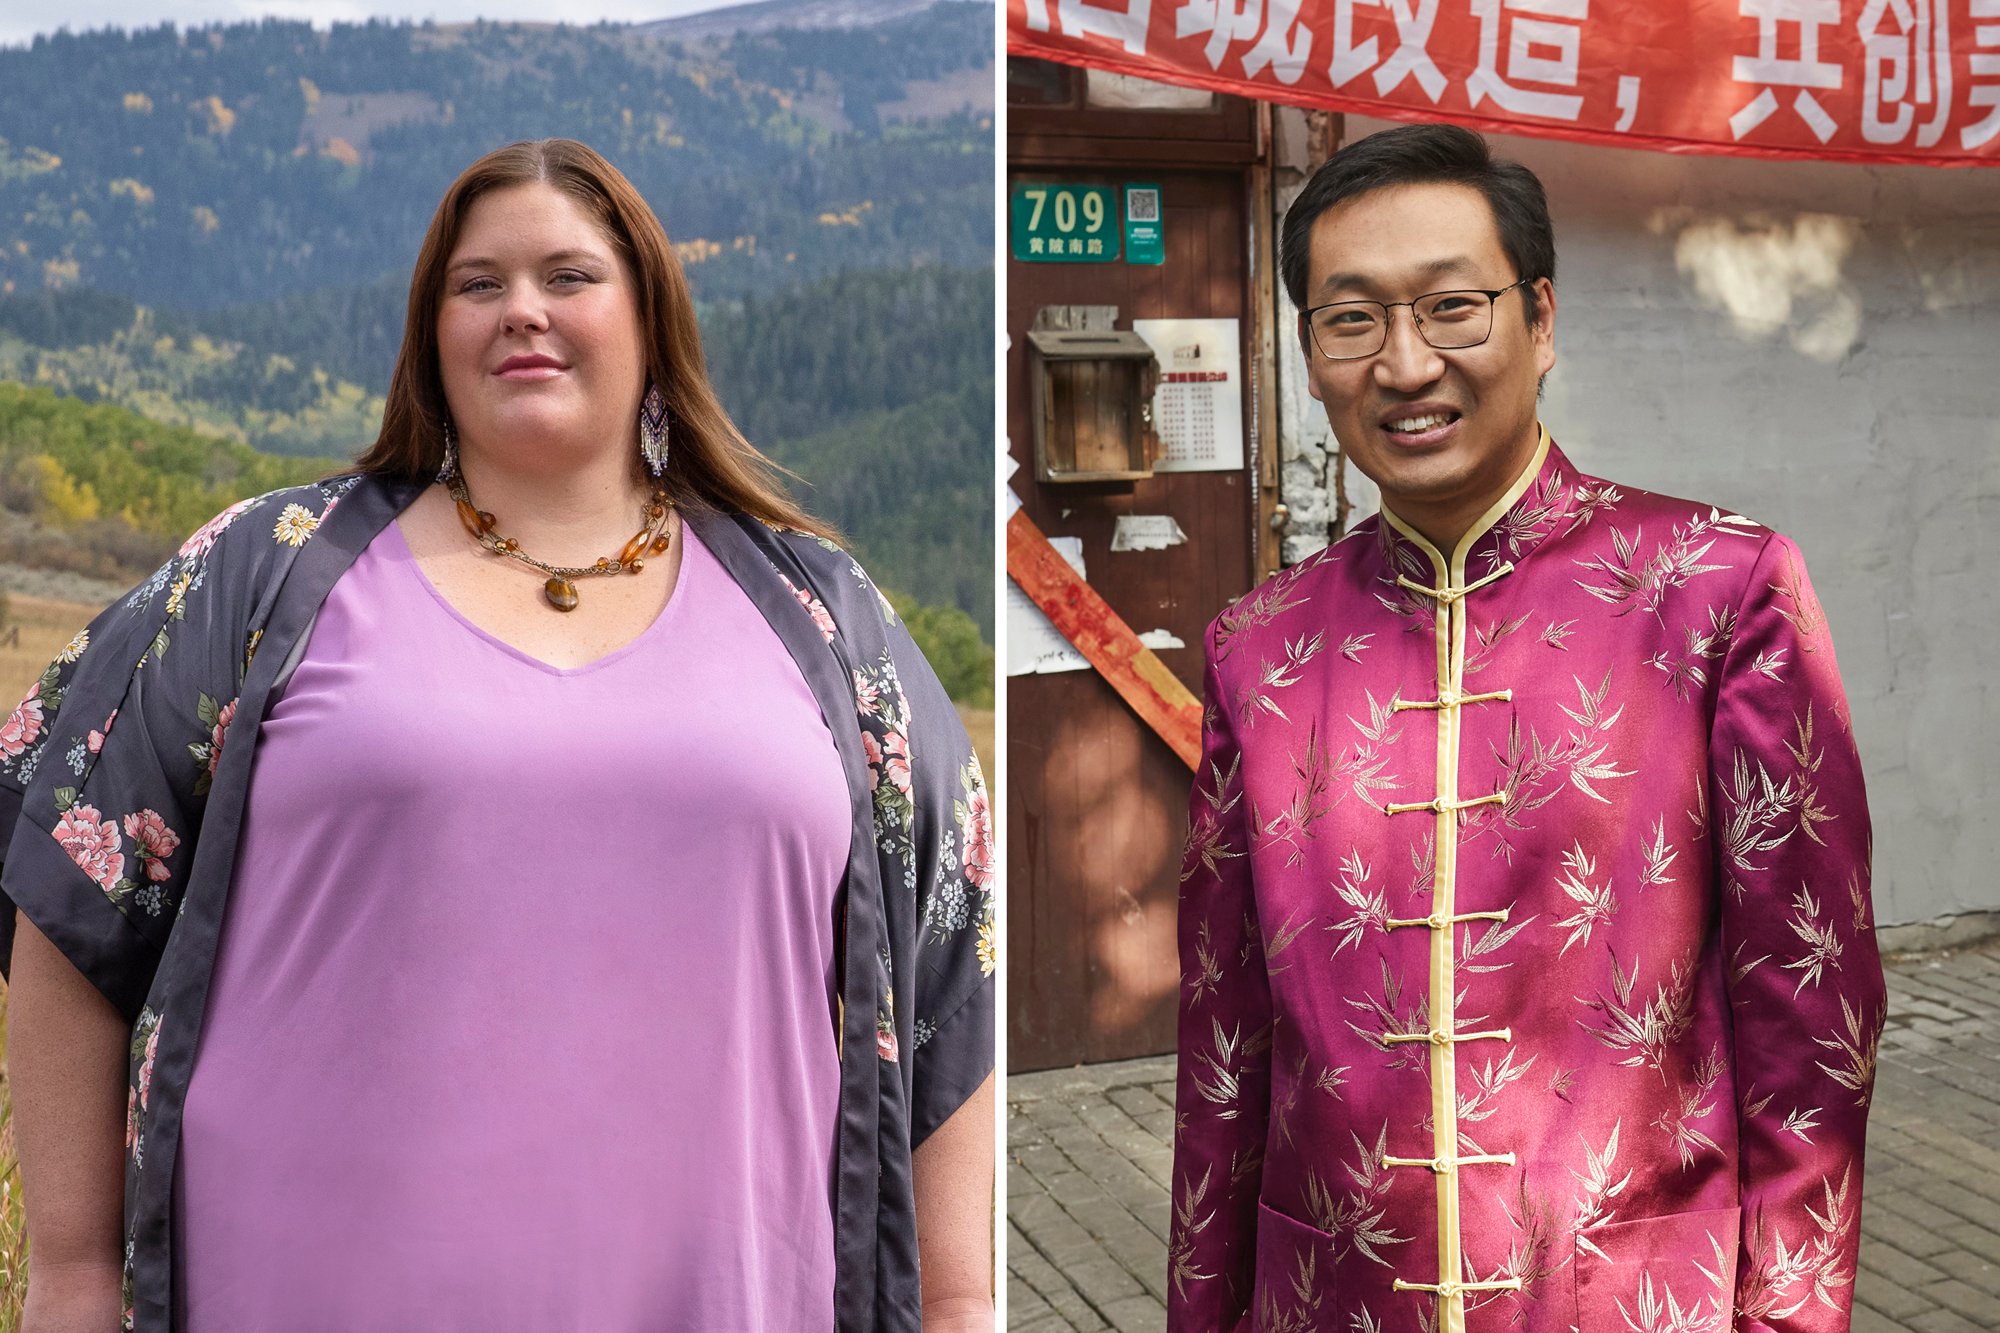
(1294, 1273)
(1308, 1279)
(1626, 1270)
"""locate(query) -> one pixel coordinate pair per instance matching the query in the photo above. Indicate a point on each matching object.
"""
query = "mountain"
(213, 228)
(803, 15)
(223, 165)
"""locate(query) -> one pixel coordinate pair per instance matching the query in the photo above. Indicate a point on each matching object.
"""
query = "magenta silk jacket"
(1529, 979)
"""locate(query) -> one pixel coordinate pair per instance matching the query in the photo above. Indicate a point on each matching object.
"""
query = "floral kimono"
(1529, 976)
(124, 772)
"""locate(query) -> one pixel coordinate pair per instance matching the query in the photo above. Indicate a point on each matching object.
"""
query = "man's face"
(1443, 433)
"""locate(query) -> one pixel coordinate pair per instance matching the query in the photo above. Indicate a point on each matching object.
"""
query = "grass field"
(13, 1233)
(979, 726)
(45, 626)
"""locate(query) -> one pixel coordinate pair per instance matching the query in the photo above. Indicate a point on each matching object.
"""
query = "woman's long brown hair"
(709, 463)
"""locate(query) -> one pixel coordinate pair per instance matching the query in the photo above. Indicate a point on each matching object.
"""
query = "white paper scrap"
(1146, 532)
(1157, 639)
(1034, 644)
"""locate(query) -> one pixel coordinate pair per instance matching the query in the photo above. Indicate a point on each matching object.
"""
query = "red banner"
(1913, 81)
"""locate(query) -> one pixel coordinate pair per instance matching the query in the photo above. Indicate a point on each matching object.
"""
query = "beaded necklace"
(560, 589)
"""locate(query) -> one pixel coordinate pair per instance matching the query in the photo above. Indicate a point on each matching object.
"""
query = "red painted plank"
(1087, 621)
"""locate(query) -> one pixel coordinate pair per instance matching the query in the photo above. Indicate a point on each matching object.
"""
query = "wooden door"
(1097, 804)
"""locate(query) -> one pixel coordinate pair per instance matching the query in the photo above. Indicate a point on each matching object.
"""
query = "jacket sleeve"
(1792, 846)
(1223, 1085)
(105, 765)
(952, 855)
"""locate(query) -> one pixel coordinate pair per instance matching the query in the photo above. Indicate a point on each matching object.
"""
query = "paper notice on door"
(1146, 532)
(1034, 644)
(1198, 408)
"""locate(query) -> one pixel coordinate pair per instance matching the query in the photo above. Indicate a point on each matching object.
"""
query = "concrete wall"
(1816, 346)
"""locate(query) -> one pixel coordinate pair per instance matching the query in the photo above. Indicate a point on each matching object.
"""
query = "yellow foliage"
(696, 250)
(141, 194)
(205, 218)
(625, 116)
(60, 272)
(61, 499)
(221, 120)
(39, 160)
(850, 217)
(311, 92)
(341, 151)
(140, 103)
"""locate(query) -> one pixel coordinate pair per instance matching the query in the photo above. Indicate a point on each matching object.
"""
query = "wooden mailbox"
(1092, 405)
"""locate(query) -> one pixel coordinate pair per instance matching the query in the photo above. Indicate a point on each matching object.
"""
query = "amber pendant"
(561, 593)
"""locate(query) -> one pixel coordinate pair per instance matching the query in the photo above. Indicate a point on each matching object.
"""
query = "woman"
(601, 938)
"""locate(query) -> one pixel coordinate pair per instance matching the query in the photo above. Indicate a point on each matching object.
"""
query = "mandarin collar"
(1531, 510)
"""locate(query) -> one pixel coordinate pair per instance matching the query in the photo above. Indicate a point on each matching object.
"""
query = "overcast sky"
(19, 23)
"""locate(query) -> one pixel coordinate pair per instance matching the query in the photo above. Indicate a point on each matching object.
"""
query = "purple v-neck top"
(524, 1012)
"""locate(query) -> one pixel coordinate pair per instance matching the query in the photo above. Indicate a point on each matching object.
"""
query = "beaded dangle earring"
(653, 431)
(448, 469)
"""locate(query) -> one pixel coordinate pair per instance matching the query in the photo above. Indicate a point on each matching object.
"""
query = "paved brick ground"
(1089, 1154)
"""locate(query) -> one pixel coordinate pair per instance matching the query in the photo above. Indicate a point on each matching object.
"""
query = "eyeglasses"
(1350, 330)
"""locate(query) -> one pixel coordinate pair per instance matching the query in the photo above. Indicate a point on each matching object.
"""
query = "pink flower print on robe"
(977, 832)
(95, 741)
(153, 841)
(821, 619)
(203, 538)
(92, 842)
(221, 728)
(23, 726)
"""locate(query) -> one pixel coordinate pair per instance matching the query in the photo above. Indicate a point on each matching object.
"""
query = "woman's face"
(539, 343)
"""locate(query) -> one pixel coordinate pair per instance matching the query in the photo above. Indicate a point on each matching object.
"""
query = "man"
(1529, 979)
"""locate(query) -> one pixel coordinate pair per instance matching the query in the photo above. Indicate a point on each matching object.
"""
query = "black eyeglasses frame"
(1492, 298)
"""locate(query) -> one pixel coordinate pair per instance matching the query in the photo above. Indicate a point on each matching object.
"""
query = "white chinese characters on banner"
(1410, 59)
(1906, 64)
(1541, 40)
(1801, 22)
(1123, 21)
(1278, 40)
(1198, 408)
(1984, 66)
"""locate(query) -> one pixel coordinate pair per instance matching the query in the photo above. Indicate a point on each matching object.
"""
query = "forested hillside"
(96, 490)
(230, 164)
(214, 229)
(875, 387)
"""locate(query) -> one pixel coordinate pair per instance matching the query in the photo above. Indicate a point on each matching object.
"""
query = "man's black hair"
(1425, 155)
